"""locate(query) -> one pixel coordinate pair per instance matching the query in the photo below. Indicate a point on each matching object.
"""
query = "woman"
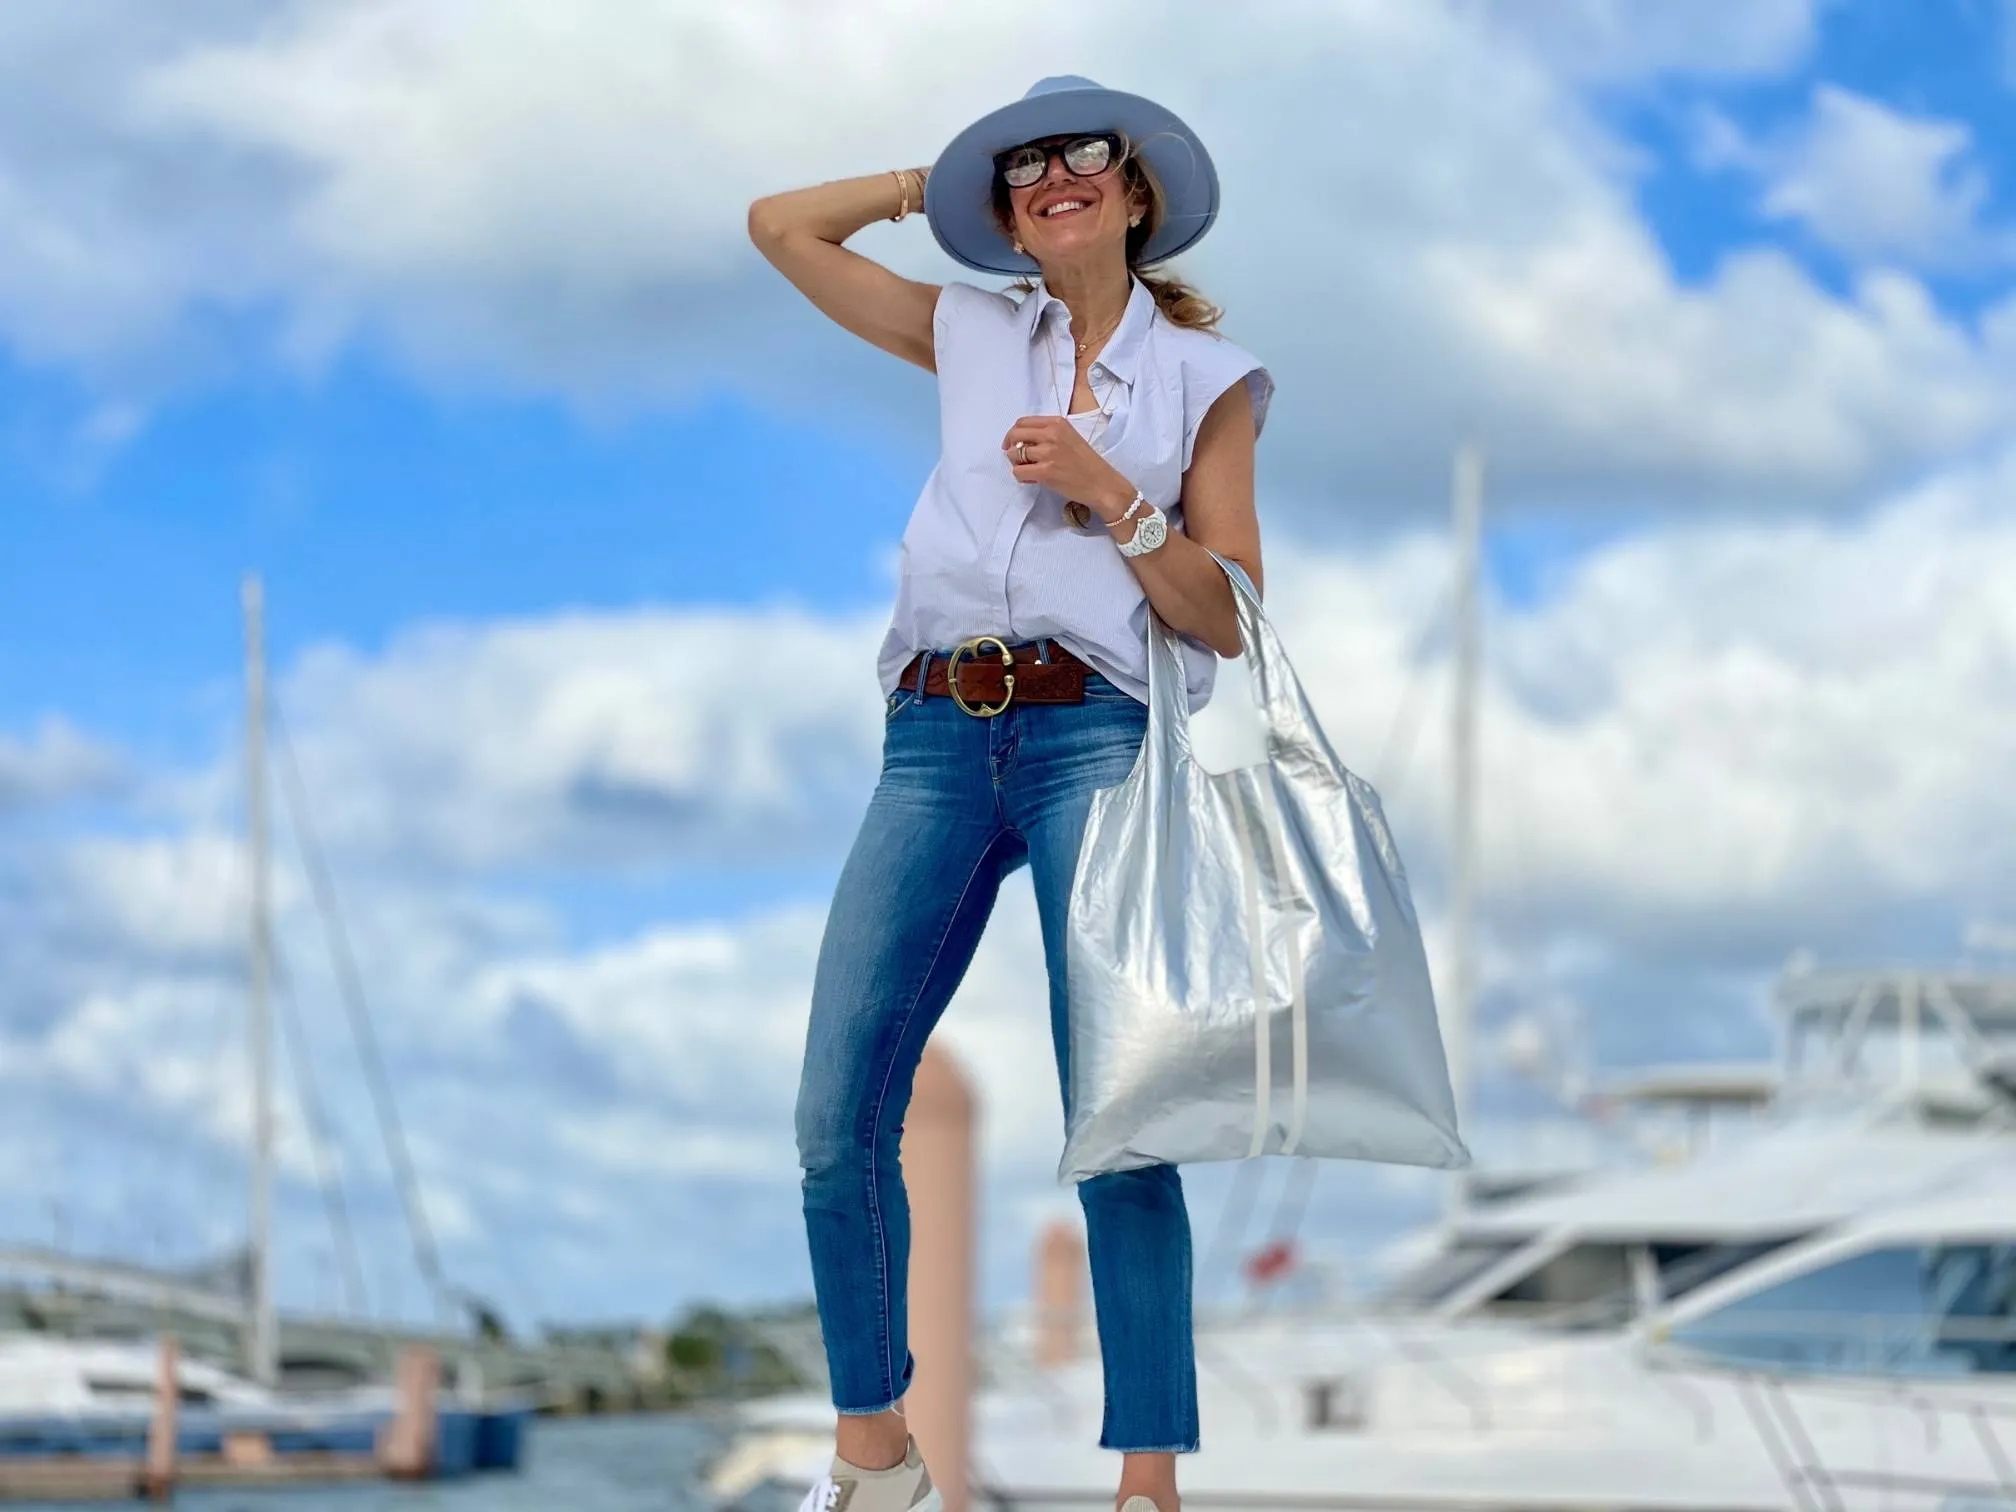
(1097, 437)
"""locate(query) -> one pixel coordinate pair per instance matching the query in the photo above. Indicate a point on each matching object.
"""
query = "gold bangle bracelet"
(903, 177)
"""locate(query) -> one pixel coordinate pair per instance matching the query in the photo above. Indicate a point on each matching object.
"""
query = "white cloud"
(1773, 715)
(54, 763)
(167, 896)
(104, 261)
(166, 1048)
(712, 735)
(1733, 732)
(649, 1144)
(1425, 232)
(1881, 186)
(1614, 40)
(702, 1015)
(450, 1217)
(703, 1025)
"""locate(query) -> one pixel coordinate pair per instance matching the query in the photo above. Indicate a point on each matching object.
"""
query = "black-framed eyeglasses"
(1085, 156)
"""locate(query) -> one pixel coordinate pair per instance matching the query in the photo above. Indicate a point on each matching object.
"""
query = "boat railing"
(1772, 1407)
(1782, 1365)
(1273, 1403)
(1395, 1334)
(1971, 1394)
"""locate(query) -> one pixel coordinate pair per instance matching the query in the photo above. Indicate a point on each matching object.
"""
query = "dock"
(145, 1458)
(82, 1298)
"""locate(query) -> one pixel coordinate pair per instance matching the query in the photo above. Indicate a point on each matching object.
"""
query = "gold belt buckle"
(974, 647)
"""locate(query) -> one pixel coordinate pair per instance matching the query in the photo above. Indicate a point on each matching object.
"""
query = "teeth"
(1063, 205)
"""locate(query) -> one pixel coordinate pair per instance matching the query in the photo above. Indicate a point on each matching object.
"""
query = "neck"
(1096, 295)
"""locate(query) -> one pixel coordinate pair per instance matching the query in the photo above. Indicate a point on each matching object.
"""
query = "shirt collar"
(1121, 355)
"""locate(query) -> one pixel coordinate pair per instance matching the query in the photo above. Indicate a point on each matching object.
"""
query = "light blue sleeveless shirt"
(986, 555)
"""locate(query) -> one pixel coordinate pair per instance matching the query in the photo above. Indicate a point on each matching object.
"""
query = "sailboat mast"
(1459, 1009)
(261, 1335)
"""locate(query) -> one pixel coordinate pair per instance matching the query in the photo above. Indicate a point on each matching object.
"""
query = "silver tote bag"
(1245, 967)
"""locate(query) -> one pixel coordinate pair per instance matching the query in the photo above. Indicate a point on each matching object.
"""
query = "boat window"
(1588, 1285)
(1933, 1309)
(112, 1393)
(1884, 1054)
(1448, 1272)
(1684, 1268)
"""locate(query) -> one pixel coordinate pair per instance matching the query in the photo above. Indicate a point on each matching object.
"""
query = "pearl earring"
(1135, 221)
(1017, 246)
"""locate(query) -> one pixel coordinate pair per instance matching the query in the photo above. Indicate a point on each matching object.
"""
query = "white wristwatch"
(1149, 533)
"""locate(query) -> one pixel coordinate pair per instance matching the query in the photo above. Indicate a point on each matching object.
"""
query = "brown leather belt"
(976, 676)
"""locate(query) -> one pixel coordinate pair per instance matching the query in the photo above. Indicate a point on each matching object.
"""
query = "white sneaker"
(901, 1488)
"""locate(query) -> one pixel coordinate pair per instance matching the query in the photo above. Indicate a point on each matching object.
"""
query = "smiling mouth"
(1063, 207)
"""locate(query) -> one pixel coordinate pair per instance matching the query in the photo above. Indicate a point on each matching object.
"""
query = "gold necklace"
(1112, 326)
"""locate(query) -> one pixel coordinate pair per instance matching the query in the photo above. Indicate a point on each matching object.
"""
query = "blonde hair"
(1180, 303)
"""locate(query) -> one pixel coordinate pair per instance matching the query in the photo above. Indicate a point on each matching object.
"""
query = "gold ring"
(1021, 451)
(973, 647)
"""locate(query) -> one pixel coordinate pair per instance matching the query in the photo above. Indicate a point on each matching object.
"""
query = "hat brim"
(958, 197)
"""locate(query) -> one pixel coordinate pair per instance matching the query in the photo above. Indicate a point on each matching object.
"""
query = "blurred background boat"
(1817, 1313)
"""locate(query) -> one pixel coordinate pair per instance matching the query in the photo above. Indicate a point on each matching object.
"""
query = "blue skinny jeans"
(961, 803)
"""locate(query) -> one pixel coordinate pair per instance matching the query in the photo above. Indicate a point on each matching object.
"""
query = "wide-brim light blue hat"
(958, 197)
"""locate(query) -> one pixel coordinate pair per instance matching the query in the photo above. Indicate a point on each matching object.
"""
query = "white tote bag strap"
(1298, 997)
(1263, 1017)
(1290, 725)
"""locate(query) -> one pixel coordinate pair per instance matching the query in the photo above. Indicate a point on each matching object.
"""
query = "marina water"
(612, 1464)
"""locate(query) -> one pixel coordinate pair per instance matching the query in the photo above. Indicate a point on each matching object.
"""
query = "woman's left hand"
(1060, 458)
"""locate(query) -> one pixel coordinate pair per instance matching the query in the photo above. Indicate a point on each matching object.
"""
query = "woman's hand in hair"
(1061, 459)
(801, 233)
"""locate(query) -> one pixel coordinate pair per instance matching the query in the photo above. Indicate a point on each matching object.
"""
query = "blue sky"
(1945, 60)
(547, 478)
(367, 503)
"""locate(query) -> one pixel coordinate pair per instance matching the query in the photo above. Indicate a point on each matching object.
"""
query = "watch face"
(1150, 533)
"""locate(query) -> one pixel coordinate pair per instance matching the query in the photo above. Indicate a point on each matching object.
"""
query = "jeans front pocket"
(1102, 690)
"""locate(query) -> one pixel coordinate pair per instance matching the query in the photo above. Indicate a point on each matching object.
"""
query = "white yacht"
(48, 1377)
(1817, 1315)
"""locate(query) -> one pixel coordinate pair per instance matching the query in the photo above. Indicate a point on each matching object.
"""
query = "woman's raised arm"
(801, 232)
